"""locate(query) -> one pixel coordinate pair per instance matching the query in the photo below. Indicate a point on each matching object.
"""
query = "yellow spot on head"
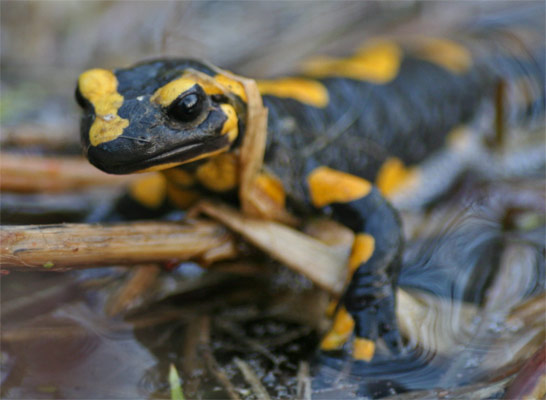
(166, 94)
(363, 247)
(393, 177)
(232, 85)
(363, 349)
(445, 53)
(378, 62)
(231, 126)
(99, 86)
(305, 91)
(330, 186)
(341, 331)
(149, 190)
(220, 173)
(219, 84)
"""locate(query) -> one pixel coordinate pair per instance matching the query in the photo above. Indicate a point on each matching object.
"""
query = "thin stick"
(212, 364)
(304, 382)
(250, 376)
(54, 247)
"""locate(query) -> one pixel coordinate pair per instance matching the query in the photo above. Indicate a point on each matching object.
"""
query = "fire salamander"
(343, 136)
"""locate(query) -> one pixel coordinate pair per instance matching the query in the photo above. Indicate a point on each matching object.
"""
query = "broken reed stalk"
(25, 173)
(54, 247)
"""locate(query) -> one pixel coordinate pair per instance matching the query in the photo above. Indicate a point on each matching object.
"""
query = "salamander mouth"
(179, 155)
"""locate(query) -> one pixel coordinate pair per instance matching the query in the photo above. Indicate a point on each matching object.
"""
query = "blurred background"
(45, 45)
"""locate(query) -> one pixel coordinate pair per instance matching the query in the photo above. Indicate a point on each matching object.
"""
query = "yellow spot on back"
(363, 247)
(232, 85)
(231, 126)
(220, 173)
(363, 349)
(149, 190)
(330, 186)
(393, 176)
(99, 86)
(377, 62)
(340, 332)
(445, 53)
(303, 90)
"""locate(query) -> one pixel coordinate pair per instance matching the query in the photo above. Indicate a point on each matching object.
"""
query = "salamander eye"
(188, 106)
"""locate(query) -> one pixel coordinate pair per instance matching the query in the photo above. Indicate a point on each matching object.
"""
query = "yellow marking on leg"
(181, 198)
(378, 62)
(100, 87)
(179, 177)
(306, 91)
(231, 126)
(328, 186)
(232, 85)
(363, 247)
(394, 176)
(363, 349)
(446, 53)
(220, 173)
(149, 190)
(272, 187)
(340, 332)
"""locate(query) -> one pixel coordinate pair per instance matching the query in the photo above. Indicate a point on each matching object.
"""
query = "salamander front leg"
(368, 304)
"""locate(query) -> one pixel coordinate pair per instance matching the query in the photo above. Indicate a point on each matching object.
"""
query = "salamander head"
(158, 114)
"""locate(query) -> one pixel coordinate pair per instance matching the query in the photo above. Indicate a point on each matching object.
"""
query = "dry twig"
(52, 247)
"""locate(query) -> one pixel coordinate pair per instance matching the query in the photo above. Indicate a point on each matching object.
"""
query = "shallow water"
(466, 264)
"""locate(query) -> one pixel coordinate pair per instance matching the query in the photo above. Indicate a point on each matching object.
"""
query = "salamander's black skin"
(326, 154)
(366, 123)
